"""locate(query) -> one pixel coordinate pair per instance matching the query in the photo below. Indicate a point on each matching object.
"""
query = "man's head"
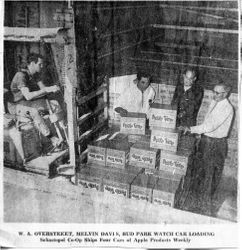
(35, 63)
(220, 92)
(189, 77)
(143, 80)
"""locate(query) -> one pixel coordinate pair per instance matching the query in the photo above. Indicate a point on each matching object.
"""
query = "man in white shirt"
(138, 97)
(212, 148)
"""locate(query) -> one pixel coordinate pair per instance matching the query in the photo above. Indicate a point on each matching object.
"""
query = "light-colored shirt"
(134, 100)
(217, 121)
(186, 88)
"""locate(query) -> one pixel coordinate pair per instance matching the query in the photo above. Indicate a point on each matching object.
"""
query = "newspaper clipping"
(119, 124)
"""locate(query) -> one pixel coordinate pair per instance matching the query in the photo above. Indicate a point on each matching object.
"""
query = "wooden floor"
(34, 198)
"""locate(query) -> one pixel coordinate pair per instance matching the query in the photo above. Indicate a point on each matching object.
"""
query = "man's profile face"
(219, 93)
(143, 83)
(38, 66)
(189, 78)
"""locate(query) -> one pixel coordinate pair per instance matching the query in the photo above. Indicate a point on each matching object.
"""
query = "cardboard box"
(175, 163)
(142, 187)
(162, 116)
(97, 152)
(91, 178)
(166, 139)
(118, 151)
(133, 123)
(140, 138)
(142, 155)
(165, 189)
(118, 183)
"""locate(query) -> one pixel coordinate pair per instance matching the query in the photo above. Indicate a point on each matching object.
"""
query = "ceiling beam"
(192, 28)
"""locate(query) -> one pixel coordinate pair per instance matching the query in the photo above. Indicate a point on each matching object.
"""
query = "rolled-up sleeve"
(20, 80)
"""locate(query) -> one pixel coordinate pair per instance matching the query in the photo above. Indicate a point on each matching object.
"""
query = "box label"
(89, 184)
(129, 125)
(163, 118)
(114, 190)
(139, 197)
(162, 202)
(164, 140)
(163, 198)
(115, 160)
(96, 157)
(173, 162)
(143, 159)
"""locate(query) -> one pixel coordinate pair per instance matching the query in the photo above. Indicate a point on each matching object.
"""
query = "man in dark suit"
(188, 98)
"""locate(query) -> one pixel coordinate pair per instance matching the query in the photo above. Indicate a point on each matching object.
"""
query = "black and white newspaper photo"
(120, 124)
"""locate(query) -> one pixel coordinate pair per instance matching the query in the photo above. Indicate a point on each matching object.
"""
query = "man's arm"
(39, 93)
(213, 122)
(120, 106)
(41, 84)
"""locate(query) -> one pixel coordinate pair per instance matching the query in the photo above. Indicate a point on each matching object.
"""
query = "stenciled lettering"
(132, 125)
(96, 156)
(121, 191)
(158, 139)
(157, 118)
(169, 142)
(162, 202)
(127, 125)
(109, 189)
(172, 163)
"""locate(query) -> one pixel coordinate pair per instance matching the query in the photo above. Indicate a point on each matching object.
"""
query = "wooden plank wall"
(118, 38)
(108, 34)
(199, 34)
(28, 14)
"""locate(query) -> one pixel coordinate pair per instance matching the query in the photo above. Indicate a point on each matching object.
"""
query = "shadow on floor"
(223, 205)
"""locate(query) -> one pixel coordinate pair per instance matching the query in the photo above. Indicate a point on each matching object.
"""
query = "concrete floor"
(35, 198)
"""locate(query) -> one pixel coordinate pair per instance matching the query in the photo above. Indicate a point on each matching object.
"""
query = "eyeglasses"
(189, 79)
(218, 93)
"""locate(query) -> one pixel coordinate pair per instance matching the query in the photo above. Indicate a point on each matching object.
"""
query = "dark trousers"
(203, 175)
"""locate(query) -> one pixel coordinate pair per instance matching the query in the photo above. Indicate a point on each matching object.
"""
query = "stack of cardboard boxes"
(107, 168)
(172, 162)
(148, 167)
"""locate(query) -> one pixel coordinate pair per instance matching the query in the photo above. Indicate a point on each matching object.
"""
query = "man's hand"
(52, 89)
(184, 129)
(121, 111)
(181, 114)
